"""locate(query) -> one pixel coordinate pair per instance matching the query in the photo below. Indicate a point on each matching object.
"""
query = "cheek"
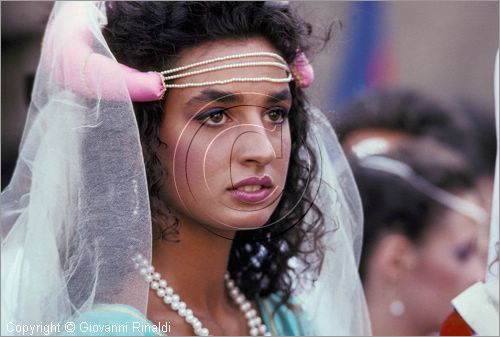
(208, 162)
(287, 143)
(284, 164)
(440, 270)
(181, 160)
(430, 285)
(198, 159)
(441, 273)
(200, 163)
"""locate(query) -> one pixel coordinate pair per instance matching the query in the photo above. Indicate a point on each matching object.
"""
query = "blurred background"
(445, 49)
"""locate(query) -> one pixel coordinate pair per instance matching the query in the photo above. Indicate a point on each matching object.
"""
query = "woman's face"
(228, 146)
(445, 264)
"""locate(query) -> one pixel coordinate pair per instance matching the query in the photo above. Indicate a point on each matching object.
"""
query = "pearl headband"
(168, 75)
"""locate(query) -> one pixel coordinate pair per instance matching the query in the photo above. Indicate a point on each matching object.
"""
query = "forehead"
(452, 225)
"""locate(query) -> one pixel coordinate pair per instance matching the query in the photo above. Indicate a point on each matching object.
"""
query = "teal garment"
(288, 320)
(112, 320)
(124, 320)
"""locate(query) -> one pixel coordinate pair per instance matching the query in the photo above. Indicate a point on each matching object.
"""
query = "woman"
(380, 119)
(212, 200)
(421, 234)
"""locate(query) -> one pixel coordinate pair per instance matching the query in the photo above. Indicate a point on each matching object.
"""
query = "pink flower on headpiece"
(302, 70)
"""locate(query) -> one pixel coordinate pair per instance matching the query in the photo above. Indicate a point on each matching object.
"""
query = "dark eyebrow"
(281, 96)
(209, 95)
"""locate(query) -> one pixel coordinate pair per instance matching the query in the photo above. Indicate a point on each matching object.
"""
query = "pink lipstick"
(253, 189)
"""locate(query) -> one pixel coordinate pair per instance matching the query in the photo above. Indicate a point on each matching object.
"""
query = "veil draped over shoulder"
(77, 207)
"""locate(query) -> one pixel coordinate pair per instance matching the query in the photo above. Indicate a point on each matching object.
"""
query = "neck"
(194, 267)
(383, 322)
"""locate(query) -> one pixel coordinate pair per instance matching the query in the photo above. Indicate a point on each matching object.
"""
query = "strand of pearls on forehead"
(230, 80)
(281, 64)
(254, 322)
(227, 66)
(223, 58)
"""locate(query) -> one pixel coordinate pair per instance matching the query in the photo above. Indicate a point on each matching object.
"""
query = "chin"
(244, 221)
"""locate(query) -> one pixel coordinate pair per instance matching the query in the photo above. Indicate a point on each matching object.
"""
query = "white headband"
(438, 194)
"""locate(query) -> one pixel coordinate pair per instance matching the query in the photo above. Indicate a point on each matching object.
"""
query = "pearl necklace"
(254, 322)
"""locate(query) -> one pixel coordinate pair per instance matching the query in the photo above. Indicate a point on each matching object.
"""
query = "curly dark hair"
(149, 36)
(393, 205)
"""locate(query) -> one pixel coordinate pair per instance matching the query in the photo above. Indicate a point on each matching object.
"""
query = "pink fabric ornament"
(90, 74)
(302, 70)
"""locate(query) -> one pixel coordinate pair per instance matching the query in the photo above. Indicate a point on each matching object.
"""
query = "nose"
(254, 146)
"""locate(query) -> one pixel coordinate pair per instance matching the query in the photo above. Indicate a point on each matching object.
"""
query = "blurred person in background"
(381, 119)
(420, 246)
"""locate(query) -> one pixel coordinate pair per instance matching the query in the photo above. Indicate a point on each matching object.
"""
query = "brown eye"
(213, 117)
(216, 117)
(277, 115)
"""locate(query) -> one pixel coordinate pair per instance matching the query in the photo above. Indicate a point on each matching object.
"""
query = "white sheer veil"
(336, 301)
(77, 209)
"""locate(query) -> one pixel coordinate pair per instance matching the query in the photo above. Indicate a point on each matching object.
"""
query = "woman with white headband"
(172, 179)
(422, 219)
